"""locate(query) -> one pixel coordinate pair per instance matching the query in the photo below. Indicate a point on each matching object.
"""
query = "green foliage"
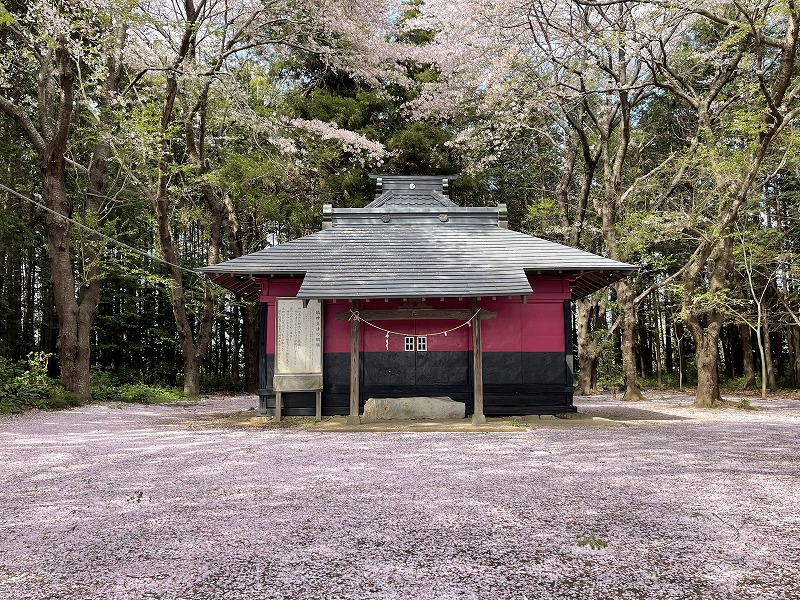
(5, 17)
(138, 393)
(722, 301)
(25, 385)
(645, 229)
(609, 368)
(592, 541)
(107, 388)
(420, 149)
(541, 218)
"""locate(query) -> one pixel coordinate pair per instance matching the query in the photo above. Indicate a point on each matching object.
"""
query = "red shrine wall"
(374, 340)
(527, 365)
(270, 290)
(536, 325)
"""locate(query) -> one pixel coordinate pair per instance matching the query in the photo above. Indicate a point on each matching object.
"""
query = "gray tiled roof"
(407, 259)
(412, 198)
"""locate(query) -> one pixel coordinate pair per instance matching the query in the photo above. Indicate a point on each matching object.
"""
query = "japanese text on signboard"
(298, 344)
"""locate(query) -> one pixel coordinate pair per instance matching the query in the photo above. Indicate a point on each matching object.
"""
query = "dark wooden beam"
(568, 344)
(478, 418)
(355, 380)
(408, 314)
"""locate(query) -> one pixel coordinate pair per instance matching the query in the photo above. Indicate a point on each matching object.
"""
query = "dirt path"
(159, 502)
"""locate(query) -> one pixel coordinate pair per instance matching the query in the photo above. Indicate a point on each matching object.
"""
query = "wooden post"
(278, 402)
(355, 383)
(478, 418)
(318, 413)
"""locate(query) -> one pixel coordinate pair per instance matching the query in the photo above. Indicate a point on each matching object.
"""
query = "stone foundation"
(385, 409)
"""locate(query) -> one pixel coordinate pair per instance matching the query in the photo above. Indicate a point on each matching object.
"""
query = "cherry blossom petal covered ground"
(137, 502)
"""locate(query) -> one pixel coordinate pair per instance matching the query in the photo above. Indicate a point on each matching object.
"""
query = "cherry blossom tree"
(62, 65)
(195, 58)
(730, 65)
(737, 73)
(581, 65)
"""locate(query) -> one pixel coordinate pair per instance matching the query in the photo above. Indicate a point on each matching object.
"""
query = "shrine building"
(415, 296)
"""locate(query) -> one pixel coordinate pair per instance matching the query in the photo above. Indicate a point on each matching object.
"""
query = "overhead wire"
(95, 232)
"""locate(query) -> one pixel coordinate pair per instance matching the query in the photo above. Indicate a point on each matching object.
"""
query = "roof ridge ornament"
(502, 215)
(412, 191)
(327, 216)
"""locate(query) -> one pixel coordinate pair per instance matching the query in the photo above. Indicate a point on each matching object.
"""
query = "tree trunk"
(727, 351)
(191, 375)
(73, 336)
(705, 323)
(587, 352)
(778, 352)
(748, 365)
(659, 338)
(769, 369)
(668, 349)
(74, 324)
(193, 351)
(706, 340)
(236, 345)
(794, 354)
(222, 333)
(680, 336)
(629, 327)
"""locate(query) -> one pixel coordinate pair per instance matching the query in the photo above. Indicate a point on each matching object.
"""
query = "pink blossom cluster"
(652, 500)
(350, 140)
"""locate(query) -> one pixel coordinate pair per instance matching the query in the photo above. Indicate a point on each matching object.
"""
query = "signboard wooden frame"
(298, 337)
(298, 350)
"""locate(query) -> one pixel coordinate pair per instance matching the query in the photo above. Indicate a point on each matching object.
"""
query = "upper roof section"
(413, 200)
(413, 241)
(412, 191)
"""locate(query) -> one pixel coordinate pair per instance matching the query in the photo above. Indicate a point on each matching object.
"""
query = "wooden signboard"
(298, 343)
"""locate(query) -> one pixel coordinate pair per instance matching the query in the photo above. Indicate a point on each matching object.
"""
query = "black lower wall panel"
(516, 368)
(515, 383)
(509, 400)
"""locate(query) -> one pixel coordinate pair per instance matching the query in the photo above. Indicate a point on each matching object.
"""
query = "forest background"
(142, 139)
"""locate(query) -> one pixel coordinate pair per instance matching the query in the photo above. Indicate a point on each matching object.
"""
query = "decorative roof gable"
(414, 191)
(412, 198)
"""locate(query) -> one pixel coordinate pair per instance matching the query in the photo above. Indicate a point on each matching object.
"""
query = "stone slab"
(415, 408)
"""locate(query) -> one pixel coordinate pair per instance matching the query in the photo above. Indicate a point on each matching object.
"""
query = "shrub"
(220, 382)
(25, 384)
(61, 399)
(110, 387)
(137, 393)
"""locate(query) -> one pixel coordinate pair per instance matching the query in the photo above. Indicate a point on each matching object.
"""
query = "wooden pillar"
(355, 382)
(278, 406)
(569, 357)
(263, 390)
(478, 418)
(318, 406)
